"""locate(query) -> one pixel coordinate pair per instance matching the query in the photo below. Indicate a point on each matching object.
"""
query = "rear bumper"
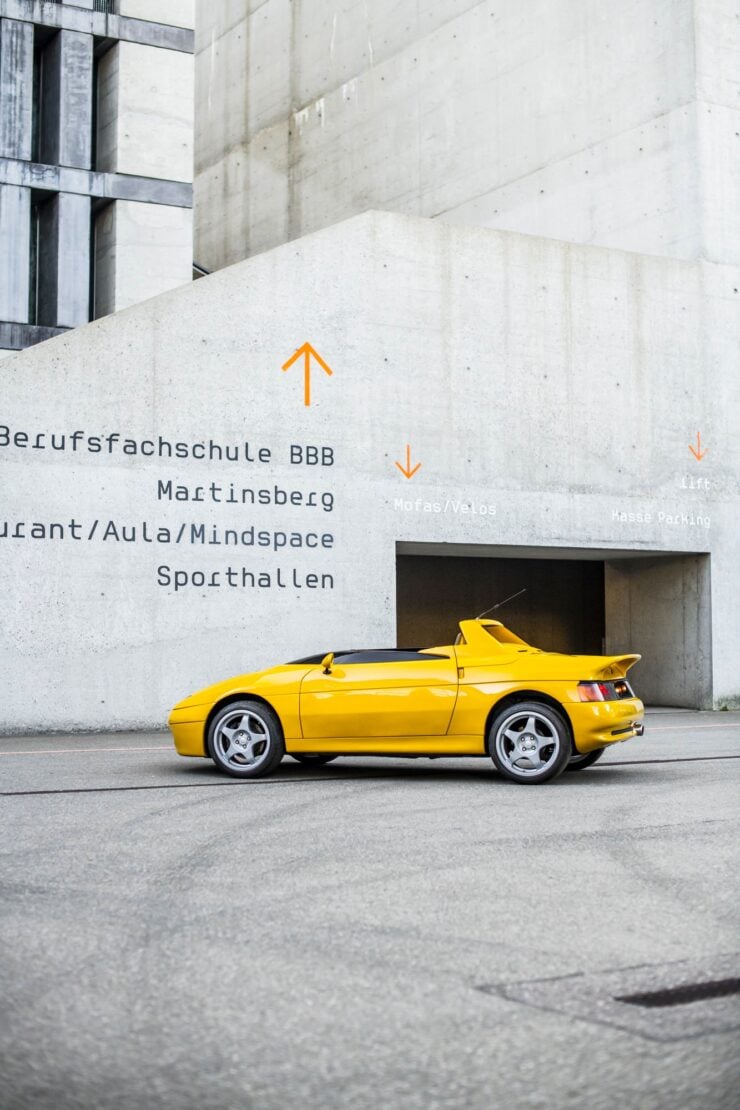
(598, 723)
(188, 729)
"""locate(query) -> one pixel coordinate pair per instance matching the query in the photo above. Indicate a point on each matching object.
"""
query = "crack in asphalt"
(314, 779)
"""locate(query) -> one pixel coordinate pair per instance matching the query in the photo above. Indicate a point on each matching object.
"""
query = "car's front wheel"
(312, 760)
(529, 742)
(245, 739)
(579, 761)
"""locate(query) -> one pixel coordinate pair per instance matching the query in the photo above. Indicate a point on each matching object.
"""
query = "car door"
(379, 694)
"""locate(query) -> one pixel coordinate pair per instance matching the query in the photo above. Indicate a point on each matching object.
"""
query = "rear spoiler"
(616, 666)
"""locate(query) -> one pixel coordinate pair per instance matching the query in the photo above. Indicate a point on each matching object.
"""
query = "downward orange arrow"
(406, 470)
(697, 451)
(307, 351)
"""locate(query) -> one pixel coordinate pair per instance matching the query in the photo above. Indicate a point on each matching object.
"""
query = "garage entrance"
(577, 601)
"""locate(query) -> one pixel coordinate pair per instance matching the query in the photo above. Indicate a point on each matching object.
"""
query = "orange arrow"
(697, 451)
(406, 470)
(307, 350)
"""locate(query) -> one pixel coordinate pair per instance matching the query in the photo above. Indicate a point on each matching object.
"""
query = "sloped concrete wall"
(549, 392)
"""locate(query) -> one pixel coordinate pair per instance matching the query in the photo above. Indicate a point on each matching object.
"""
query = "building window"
(42, 302)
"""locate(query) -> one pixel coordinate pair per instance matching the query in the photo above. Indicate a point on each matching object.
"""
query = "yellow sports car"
(534, 713)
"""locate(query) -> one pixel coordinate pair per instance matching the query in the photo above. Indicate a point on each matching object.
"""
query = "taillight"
(593, 691)
(604, 691)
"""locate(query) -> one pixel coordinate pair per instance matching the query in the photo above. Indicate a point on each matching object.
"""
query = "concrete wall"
(106, 139)
(146, 125)
(66, 110)
(550, 393)
(662, 607)
(141, 250)
(583, 120)
(177, 13)
(717, 31)
(16, 88)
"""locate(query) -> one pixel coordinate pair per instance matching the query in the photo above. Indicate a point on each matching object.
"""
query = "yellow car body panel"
(278, 686)
(391, 745)
(438, 703)
(379, 700)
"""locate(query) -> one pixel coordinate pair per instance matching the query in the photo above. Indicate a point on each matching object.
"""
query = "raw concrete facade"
(177, 512)
(550, 392)
(581, 120)
(95, 134)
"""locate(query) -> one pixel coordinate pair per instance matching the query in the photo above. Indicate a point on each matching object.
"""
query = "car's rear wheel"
(245, 740)
(579, 761)
(529, 742)
(312, 760)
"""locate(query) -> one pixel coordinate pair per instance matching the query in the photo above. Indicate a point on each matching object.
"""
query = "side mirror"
(327, 661)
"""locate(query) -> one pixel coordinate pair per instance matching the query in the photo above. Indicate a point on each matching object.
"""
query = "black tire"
(245, 739)
(529, 742)
(579, 761)
(312, 760)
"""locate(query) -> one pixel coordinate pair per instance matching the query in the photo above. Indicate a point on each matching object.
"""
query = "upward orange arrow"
(307, 351)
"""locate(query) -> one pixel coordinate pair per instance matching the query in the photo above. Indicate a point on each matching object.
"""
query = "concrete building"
(96, 124)
(574, 406)
(581, 120)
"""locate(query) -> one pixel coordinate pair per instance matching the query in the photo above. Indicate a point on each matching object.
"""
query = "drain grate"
(661, 1002)
(681, 996)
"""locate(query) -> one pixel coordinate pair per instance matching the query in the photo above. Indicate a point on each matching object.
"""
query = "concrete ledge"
(93, 183)
(16, 337)
(72, 18)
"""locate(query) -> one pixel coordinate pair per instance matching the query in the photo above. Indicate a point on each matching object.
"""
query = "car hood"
(285, 679)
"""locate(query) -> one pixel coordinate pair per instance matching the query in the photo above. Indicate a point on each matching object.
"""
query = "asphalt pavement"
(370, 934)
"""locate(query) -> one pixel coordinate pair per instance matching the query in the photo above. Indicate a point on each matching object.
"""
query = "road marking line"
(81, 751)
(688, 728)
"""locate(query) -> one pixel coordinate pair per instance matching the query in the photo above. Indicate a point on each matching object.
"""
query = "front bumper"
(187, 726)
(598, 723)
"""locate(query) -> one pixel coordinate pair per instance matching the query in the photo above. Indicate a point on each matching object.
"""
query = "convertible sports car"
(534, 713)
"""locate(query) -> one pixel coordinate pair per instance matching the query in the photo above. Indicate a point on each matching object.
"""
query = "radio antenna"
(500, 603)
